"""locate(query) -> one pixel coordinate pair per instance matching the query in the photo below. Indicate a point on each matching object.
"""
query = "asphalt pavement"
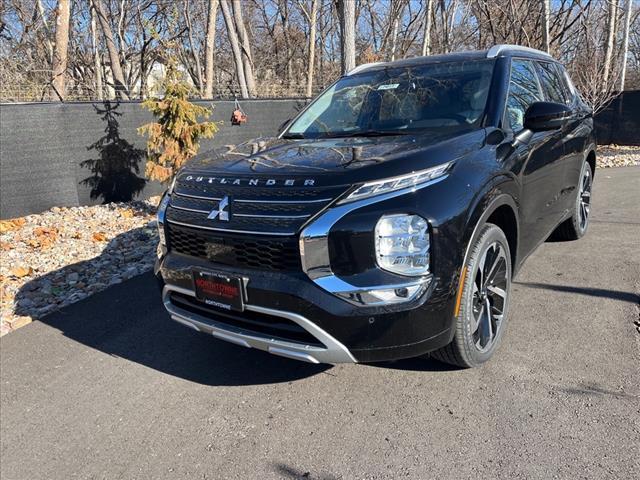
(111, 388)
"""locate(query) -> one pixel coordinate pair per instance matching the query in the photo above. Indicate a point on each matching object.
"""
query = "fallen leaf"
(21, 271)
(5, 246)
(11, 224)
(128, 213)
(45, 236)
(99, 237)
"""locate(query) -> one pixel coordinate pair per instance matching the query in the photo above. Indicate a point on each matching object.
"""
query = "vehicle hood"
(336, 160)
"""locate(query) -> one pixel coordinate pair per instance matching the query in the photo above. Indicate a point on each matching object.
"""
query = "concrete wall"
(86, 153)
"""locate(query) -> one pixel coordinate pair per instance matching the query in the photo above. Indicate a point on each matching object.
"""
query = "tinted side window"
(523, 91)
(552, 83)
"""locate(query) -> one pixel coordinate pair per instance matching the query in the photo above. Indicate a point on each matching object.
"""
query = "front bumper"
(331, 330)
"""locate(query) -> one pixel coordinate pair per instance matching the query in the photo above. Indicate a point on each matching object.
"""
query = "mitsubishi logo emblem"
(222, 212)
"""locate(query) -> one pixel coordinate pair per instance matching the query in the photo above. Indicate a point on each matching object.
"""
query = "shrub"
(174, 137)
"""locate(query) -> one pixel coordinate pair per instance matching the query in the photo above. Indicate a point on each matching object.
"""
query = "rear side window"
(552, 83)
(524, 89)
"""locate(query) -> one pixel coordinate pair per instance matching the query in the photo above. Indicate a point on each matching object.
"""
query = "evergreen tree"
(174, 137)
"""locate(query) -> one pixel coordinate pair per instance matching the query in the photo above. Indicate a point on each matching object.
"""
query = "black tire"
(479, 289)
(575, 227)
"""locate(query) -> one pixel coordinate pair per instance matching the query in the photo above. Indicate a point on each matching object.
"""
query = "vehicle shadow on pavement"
(593, 292)
(128, 321)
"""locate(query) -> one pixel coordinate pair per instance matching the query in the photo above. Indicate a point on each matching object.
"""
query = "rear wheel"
(575, 227)
(484, 301)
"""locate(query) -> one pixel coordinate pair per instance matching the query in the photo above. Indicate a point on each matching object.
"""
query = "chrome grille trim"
(214, 199)
(247, 215)
(280, 217)
(202, 227)
(195, 210)
(286, 202)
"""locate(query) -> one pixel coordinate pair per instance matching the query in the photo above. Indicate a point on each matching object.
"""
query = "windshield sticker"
(389, 86)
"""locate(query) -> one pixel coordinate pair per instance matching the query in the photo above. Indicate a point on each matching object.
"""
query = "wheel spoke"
(497, 291)
(495, 261)
(499, 266)
(485, 329)
(477, 319)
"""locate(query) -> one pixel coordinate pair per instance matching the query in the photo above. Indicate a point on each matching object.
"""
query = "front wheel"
(483, 303)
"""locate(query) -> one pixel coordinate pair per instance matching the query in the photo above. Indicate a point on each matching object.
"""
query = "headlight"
(402, 244)
(162, 210)
(411, 180)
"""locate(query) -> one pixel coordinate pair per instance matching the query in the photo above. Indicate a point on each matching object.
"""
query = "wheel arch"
(501, 209)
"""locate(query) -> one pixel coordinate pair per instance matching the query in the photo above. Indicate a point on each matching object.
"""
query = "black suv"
(388, 219)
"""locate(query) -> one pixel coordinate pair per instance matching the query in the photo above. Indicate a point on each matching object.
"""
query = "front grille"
(248, 321)
(279, 254)
(259, 210)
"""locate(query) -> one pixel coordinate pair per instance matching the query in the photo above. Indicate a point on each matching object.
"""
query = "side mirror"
(541, 116)
(284, 125)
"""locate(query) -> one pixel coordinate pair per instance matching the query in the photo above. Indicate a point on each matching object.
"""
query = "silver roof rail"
(362, 67)
(498, 49)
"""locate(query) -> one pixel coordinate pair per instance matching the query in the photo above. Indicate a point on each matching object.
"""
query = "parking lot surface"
(111, 388)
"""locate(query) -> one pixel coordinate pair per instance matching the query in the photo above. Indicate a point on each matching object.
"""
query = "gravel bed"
(55, 258)
(617, 156)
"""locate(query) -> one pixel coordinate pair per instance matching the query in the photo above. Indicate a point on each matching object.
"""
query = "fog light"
(386, 296)
(402, 244)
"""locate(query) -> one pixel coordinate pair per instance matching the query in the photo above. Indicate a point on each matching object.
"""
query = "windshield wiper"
(370, 133)
(293, 135)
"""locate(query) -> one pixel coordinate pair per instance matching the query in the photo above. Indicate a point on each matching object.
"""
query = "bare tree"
(546, 44)
(97, 62)
(347, 14)
(611, 37)
(247, 60)
(116, 67)
(58, 80)
(311, 17)
(192, 46)
(235, 47)
(426, 40)
(212, 13)
(625, 44)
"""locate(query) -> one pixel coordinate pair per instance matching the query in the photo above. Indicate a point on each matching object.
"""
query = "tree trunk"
(46, 29)
(546, 12)
(194, 53)
(312, 46)
(116, 67)
(347, 13)
(426, 41)
(284, 16)
(625, 44)
(97, 64)
(247, 60)
(235, 47)
(60, 52)
(611, 37)
(210, 47)
(394, 37)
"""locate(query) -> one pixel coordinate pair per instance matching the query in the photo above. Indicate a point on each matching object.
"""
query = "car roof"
(493, 52)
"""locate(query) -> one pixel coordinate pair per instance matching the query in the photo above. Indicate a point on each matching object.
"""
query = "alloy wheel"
(584, 198)
(490, 289)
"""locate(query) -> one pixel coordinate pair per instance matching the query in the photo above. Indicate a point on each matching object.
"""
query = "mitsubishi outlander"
(388, 219)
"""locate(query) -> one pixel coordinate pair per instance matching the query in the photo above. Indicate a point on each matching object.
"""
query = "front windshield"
(443, 96)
